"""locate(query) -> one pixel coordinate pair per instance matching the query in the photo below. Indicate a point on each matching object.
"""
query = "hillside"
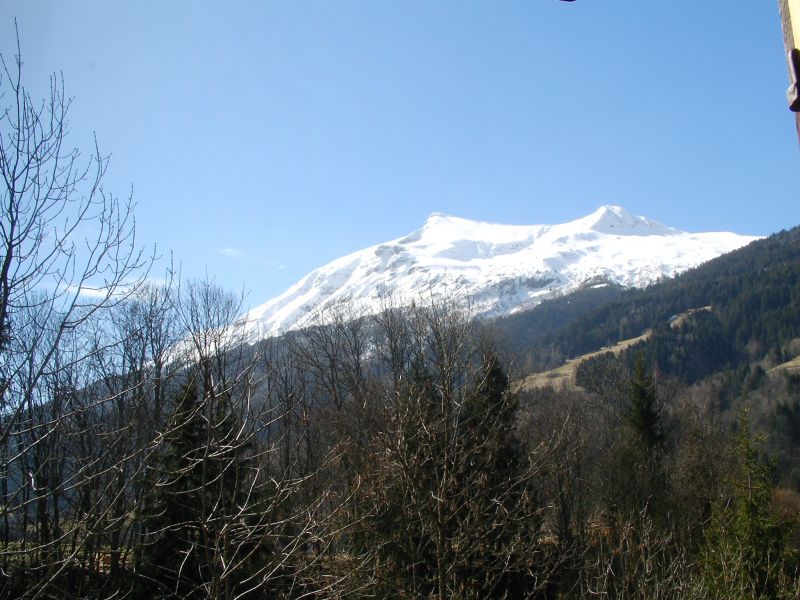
(754, 295)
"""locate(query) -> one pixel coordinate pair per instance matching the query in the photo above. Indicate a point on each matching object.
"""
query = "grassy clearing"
(564, 376)
(791, 366)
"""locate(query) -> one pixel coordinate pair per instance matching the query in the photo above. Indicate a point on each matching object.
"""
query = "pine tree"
(644, 414)
(638, 479)
(494, 508)
(170, 561)
(745, 554)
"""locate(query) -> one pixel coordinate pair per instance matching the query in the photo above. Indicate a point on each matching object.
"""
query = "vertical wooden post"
(790, 20)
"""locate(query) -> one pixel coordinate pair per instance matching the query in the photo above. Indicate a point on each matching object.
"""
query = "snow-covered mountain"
(496, 269)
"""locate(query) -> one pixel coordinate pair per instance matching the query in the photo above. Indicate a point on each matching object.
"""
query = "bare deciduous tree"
(68, 246)
(69, 255)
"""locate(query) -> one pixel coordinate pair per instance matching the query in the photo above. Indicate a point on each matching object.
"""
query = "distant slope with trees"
(753, 292)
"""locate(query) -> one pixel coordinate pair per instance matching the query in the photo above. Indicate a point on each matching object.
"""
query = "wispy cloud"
(232, 253)
(241, 255)
(88, 291)
(94, 292)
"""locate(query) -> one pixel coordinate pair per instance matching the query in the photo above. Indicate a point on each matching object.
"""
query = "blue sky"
(264, 139)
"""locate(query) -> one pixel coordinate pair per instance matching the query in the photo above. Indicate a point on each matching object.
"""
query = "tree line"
(387, 456)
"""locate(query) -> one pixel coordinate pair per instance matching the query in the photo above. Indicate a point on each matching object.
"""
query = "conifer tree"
(644, 414)
(745, 554)
(170, 561)
(638, 478)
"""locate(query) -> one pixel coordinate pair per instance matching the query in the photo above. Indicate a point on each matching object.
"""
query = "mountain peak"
(614, 210)
(439, 219)
(613, 219)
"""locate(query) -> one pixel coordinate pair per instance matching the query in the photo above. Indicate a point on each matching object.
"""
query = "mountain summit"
(615, 220)
(498, 269)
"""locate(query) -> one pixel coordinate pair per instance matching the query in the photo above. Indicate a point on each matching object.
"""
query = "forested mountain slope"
(754, 299)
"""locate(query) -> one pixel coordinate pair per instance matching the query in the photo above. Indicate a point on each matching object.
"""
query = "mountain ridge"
(497, 268)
